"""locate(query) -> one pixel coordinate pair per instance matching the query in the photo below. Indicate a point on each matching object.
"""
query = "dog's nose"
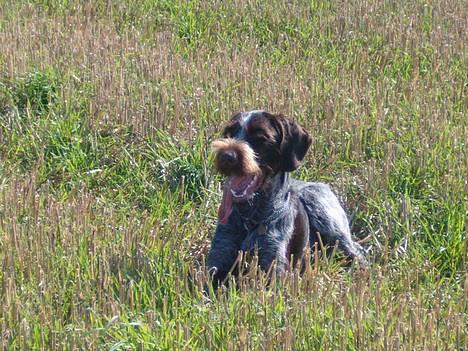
(228, 156)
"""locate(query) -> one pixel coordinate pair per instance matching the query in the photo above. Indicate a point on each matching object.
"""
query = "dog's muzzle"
(237, 161)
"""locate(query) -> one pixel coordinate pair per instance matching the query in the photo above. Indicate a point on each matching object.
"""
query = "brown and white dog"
(262, 207)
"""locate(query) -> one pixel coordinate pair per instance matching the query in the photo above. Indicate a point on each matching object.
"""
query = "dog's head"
(254, 147)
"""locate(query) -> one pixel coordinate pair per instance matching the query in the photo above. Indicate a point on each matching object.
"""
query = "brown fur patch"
(246, 158)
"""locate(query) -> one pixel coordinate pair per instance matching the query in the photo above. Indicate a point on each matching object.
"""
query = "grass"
(108, 200)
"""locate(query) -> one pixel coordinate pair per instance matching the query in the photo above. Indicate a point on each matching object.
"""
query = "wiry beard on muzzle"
(246, 162)
(237, 161)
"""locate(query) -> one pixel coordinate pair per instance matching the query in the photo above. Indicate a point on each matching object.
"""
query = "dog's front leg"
(269, 247)
(224, 250)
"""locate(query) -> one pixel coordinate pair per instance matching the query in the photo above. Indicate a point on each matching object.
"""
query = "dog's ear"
(295, 142)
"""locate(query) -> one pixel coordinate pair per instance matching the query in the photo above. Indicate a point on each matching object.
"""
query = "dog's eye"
(259, 138)
(230, 130)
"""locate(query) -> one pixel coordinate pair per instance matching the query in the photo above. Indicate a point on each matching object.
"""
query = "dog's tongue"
(225, 208)
(238, 184)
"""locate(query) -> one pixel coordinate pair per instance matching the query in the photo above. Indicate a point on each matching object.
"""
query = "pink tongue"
(225, 208)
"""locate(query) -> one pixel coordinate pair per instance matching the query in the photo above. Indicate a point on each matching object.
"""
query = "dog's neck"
(270, 201)
(276, 188)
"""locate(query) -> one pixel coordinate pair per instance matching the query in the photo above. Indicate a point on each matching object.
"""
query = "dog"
(263, 209)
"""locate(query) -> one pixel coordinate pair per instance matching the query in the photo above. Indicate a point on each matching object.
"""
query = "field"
(108, 198)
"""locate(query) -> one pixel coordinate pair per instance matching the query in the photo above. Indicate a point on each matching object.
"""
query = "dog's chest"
(276, 229)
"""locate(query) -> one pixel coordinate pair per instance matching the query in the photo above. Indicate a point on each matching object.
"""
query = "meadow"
(108, 198)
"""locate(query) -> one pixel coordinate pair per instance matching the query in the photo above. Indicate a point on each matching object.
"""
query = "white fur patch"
(247, 116)
(245, 119)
